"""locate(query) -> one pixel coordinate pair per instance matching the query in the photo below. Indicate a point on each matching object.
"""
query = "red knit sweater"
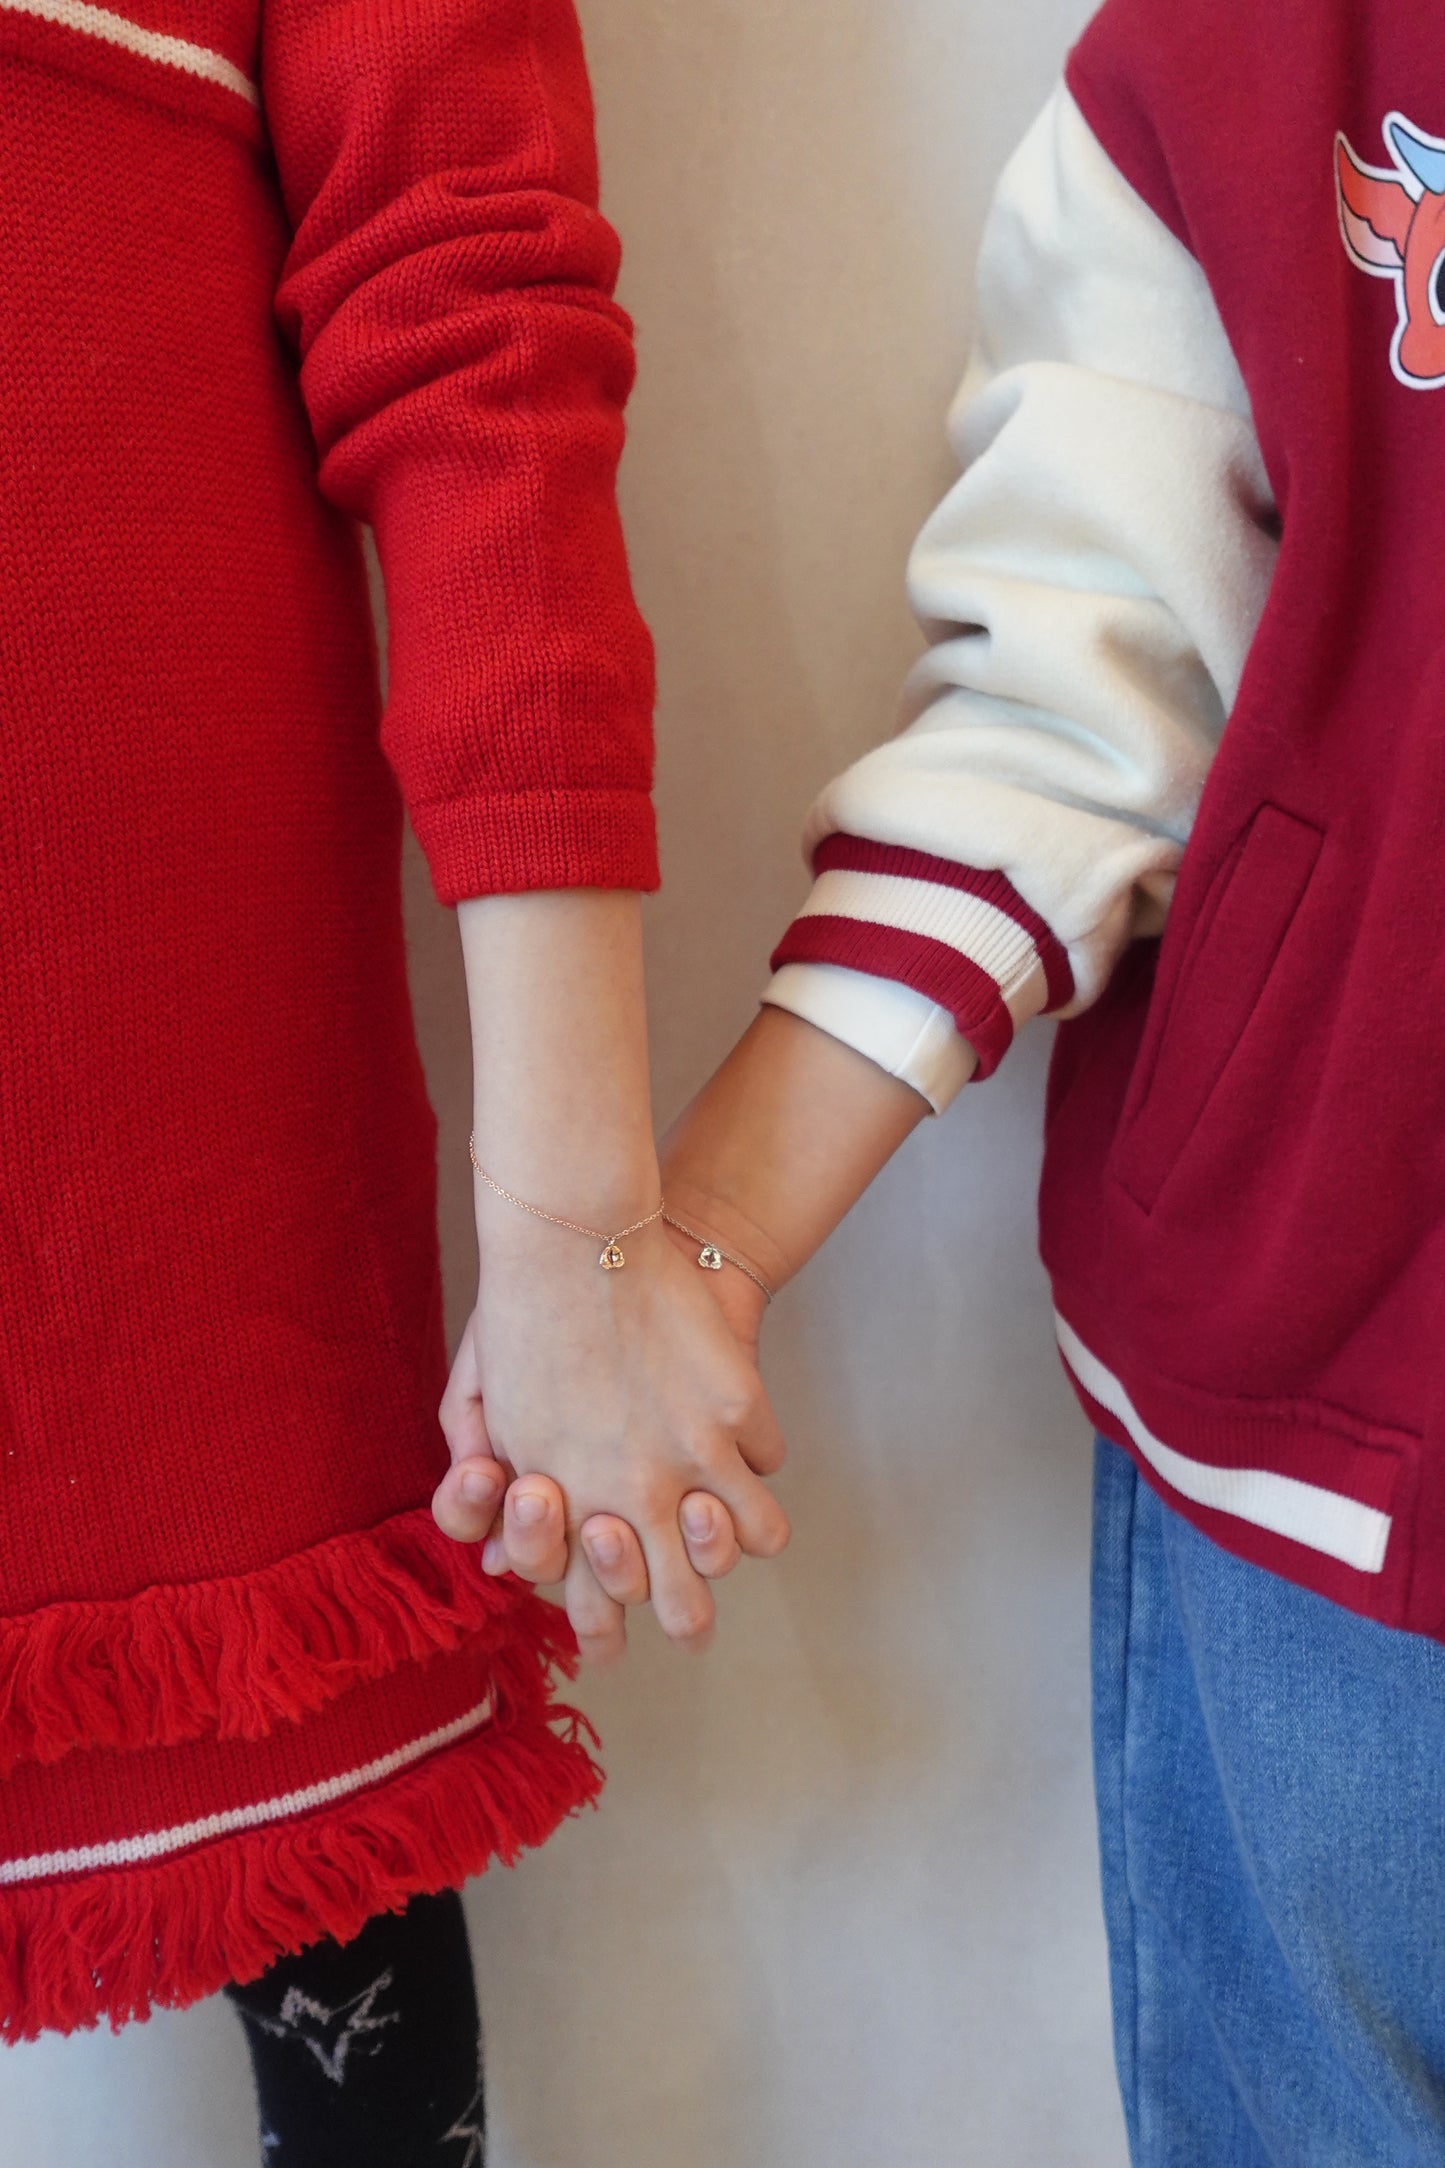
(270, 270)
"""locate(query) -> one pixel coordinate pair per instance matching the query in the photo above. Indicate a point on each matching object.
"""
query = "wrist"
(782, 1141)
(716, 1218)
(602, 1183)
(522, 1251)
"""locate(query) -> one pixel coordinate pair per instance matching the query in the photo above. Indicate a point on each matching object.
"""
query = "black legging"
(368, 2054)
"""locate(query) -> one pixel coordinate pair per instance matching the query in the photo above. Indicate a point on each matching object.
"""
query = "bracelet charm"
(712, 1256)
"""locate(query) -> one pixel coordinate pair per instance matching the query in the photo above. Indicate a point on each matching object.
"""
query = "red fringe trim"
(120, 1943)
(237, 1656)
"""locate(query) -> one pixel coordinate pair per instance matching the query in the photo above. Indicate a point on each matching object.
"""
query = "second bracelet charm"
(612, 1258)
(712, 1256)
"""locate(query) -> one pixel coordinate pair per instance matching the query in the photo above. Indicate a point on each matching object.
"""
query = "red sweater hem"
(116, 1929)
(233, 1656)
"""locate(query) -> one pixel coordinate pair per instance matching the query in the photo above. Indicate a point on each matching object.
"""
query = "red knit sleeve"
(448, 288)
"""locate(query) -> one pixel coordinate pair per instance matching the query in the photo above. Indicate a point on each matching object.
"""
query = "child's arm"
(772, 1153)
(448, 291)
(1090, 589)
(625, 1386)
(783, 1140)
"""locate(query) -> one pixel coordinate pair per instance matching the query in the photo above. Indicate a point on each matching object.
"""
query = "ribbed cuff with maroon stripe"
(961, 935)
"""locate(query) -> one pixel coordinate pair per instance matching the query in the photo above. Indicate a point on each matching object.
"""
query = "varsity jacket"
(1172, 768)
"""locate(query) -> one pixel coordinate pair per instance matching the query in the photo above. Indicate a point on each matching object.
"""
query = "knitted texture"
(465, 368)
(270, 272)
(83, 1939)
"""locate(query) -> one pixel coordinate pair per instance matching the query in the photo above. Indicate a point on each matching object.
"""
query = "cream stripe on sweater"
(150, 44)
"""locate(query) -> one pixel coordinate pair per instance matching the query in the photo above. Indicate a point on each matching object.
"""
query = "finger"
(761, 1525)
(464, 1426)
(615, 1556)
(469, 1494)
(469, 1497)
(760, 1440)
(708, 1535)
(494, 1550)
(534, 1529)
(681, 1598)
(599, 1624)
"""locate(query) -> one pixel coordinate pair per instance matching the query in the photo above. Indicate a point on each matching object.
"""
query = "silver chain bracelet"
(712, 1256)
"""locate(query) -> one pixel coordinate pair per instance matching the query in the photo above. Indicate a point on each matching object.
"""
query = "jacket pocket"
(1232, 951)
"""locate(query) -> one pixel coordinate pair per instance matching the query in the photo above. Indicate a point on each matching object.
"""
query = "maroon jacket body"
(1243, 1201)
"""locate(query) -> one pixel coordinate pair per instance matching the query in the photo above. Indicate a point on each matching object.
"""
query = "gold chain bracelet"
(712, 1256)
(611, 1259)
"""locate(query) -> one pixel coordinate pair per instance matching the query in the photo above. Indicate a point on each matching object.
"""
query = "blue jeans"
(1271, 1786)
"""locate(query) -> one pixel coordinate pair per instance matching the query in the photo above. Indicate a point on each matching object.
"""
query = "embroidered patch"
(1392, 219)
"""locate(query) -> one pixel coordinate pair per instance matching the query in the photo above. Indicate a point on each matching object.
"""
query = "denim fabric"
(1271, 1786)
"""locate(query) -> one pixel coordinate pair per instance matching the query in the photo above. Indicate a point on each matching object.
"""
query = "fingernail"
(530, 1509)
(606, 1548)
(493, 1555)
(697, 1518)
(478, 1486)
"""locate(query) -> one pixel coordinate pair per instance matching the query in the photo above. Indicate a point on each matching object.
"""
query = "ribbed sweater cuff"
(960, 935)
(507, 842)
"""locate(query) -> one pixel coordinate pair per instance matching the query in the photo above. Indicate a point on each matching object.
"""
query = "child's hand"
(529, 1538)
(768, 1158)
(611, 1545)
(632, 1393)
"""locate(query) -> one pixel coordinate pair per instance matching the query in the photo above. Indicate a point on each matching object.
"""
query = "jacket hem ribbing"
(1314, 1493)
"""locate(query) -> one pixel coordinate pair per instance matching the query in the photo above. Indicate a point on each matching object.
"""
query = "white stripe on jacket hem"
(150, 44)
(130, 1851)
(1324, 1520)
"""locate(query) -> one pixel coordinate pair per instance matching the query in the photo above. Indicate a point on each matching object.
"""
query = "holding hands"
(629, 1420)
(608, 1428)
(613, 1398)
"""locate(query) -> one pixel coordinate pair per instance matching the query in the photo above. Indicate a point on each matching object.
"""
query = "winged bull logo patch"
(1393, 222)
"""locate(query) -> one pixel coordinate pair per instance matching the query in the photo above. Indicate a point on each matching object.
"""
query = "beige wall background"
(840, 1907)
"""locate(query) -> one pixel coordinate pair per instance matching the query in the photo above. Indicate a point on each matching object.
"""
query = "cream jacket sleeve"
(1089, 590)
